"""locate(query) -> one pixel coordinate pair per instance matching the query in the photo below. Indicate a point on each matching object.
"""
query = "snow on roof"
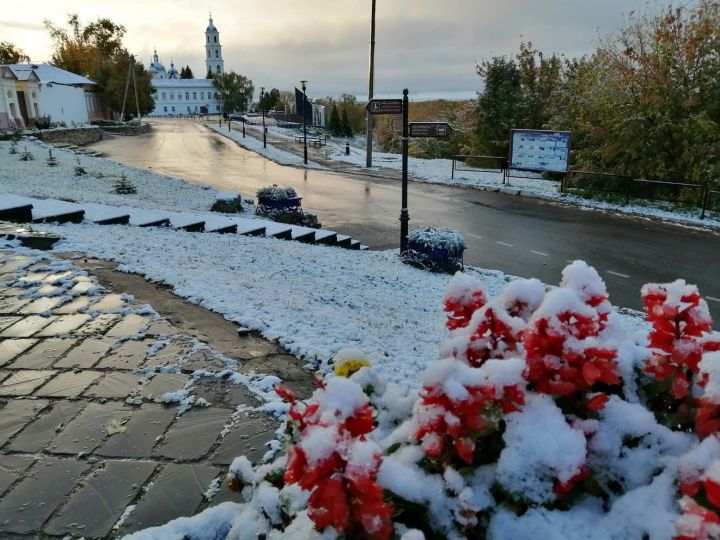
(49, 73)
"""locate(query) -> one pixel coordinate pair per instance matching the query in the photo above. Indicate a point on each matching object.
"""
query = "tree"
(235, 91)
(647, 102)
(347, 129)
(11, 54)
(499, 104)
(96, 51)
(269, 100)
(335, 125)
(186, 73)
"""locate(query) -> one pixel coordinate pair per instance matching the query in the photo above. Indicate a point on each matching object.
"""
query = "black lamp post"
(244, 117)
(304, 88)
(262, 107)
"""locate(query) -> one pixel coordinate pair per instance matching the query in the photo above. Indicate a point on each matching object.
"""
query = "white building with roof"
(46, 90)
(175, 96)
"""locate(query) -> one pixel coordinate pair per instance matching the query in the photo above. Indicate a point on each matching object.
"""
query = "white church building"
(176, 96)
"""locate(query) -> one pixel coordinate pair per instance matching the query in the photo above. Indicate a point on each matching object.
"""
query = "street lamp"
(262, 107)
(304, 88)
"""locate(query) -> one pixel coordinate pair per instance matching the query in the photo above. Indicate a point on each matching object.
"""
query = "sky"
(428, 46)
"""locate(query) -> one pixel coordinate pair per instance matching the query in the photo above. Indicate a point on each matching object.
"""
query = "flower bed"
(437, 250)
(542, 418)
(282, 204)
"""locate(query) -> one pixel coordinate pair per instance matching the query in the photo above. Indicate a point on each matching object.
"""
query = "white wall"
(63, 103)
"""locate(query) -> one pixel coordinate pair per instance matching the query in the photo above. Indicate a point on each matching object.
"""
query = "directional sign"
(437, 130)
(385, 106)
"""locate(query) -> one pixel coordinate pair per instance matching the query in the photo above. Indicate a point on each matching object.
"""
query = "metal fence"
(480, 163)
(628, 188)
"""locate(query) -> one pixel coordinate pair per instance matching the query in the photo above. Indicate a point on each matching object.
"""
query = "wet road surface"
(519, 235)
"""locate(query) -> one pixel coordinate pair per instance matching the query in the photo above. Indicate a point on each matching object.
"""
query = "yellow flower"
(348, 367)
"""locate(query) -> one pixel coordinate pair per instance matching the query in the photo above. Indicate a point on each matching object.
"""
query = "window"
(164, 109)
(173, 108)
(217, 69)
(188, 109)
(202, 95)
(163, 96)
(217, 108)
(194, 95)
(172, 96)
(208, 38)
(208, 54)
(217, 54)
(215, 39)
(216, 95)
(187, 96)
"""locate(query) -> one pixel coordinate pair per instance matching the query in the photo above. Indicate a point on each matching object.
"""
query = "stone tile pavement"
(92, 444)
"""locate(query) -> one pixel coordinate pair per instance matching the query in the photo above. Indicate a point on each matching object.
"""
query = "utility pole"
(371, 84)
(137, 99)
(127, 86)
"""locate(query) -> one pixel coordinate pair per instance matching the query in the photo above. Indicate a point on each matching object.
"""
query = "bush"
(303, 219)
(437, 250)
(51, 160)
(13, 147)
(542, 418)
(26, 155)
(276, 193)
(123, 186)
(79, 170)
(43, 122)
(228, 206)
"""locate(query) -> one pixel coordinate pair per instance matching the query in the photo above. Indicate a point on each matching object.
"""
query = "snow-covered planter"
(437, 250)
(278, 198)
(542, 418)
(282, 204)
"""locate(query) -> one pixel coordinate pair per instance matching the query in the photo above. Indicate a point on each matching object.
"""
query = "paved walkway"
(320, 155)
(91, 385)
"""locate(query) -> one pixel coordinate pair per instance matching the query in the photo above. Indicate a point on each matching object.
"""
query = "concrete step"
(118, 220)
(65, 217)
(28, 238)
(164, 222)
(228, 229)
(305, 237)
(198, 226)
(328, 240)
(355, 244)
(17, 214)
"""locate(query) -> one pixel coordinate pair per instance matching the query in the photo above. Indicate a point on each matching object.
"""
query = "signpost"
(436, 130)
(385, 106)
(416, 129)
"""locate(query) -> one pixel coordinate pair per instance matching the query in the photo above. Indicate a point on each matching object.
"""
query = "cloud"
(426, 45)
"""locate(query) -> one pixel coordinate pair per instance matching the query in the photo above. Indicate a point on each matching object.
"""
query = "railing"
(479, 163)
(629, 188)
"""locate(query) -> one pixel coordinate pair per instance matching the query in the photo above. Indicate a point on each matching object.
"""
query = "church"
(176, 96)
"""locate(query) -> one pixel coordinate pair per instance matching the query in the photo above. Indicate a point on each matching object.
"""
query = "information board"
(536, 150)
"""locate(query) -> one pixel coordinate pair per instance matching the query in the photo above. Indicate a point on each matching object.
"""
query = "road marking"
(713, 299)
(618, 274)
(504, 244)
(474, 236)
(541, 253)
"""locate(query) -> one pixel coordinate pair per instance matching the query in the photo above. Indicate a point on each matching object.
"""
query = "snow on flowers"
(541, 413)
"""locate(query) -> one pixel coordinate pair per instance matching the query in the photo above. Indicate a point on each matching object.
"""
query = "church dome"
(211, 26)
(172, 72)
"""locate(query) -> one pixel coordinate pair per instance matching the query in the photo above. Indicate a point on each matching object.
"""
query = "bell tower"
(213, 50)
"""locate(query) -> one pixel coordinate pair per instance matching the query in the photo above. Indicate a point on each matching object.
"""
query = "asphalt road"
(518, 235)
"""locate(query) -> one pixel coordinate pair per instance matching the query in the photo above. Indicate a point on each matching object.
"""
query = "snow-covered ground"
(314, 300)
(439, 171)
(35, 179)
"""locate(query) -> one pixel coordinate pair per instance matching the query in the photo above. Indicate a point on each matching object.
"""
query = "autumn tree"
(647, 102)
(96, 51)
(11, 54)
